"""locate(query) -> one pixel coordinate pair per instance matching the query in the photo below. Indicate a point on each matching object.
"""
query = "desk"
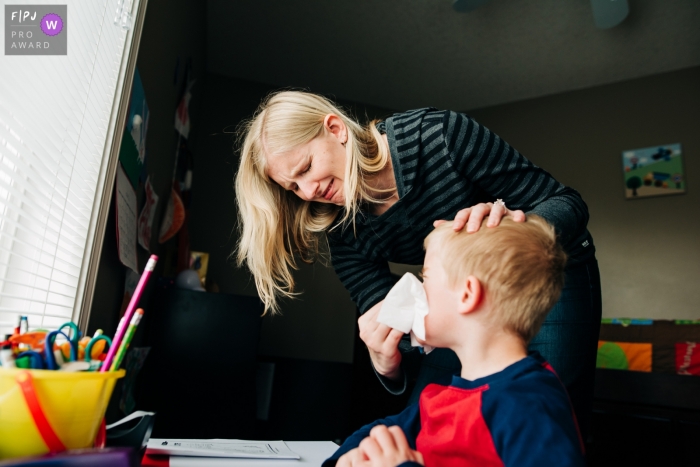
(312, 453)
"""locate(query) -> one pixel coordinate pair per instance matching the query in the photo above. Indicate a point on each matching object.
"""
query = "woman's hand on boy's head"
(473, 216)
(386, 447)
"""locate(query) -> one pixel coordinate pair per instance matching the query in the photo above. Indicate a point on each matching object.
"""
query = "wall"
(648, 249)
(320, 324)
(648, 252)
(172, 30)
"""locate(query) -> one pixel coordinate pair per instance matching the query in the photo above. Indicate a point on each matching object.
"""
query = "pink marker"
(129, 313)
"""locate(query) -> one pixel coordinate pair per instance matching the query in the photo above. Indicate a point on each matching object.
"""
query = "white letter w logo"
(51, 24)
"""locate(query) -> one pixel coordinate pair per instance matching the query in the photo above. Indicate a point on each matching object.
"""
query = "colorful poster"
(173, 218)
(137, 122)
(688, 358)
(129, 158)
(624, 356)
(654, 171)
(182, 113)
(126, 220)
(147, 215)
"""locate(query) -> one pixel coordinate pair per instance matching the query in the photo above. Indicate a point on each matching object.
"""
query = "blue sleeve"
(533, 425)
(408, 420)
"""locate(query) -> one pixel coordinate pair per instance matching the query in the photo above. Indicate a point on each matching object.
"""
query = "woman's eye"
(307, 168)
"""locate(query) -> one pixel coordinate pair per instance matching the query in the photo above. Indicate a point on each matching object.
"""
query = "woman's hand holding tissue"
(382, 343)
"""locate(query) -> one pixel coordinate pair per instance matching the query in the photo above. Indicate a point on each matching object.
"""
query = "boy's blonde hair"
(276, 226)
(519, 264)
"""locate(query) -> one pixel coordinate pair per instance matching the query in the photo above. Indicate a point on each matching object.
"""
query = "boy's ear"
(471, 295)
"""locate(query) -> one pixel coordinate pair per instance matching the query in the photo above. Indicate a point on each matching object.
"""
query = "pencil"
(129, 314)
(127, 340)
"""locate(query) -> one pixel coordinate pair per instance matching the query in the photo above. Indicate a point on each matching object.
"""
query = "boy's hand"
(386, 447)
(352, 458)
(382, 342)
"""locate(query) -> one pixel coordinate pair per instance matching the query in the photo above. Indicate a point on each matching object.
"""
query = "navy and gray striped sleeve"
(502, 172)
(367, 281)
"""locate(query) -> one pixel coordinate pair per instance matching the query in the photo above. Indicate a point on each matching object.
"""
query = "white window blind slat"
(22, 291)
(38, 281)
(57, 118)
(13, 144)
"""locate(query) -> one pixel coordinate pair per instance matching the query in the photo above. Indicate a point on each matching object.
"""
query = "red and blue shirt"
(520, 416)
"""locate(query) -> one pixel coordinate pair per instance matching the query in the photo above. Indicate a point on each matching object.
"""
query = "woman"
(307, 169)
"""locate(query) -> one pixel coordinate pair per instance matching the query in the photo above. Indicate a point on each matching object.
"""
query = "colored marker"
(7, 357)
(23, 329)
(129, 314)
(131, 330)
(23, 324)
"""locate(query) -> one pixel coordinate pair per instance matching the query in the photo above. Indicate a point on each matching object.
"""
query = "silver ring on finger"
(500, 202)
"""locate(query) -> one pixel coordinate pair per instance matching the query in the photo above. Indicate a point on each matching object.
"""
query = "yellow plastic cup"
(74, 405)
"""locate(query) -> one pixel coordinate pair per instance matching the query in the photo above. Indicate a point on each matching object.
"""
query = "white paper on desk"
(405, 308)
(232, 448)
(126, 220)
(312, 454)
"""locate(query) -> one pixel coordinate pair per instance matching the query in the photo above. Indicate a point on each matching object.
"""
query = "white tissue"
(405, 308)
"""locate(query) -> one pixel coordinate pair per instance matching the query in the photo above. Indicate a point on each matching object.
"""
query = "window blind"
(57, 122)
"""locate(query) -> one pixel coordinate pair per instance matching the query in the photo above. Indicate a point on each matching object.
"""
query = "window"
(59, 119)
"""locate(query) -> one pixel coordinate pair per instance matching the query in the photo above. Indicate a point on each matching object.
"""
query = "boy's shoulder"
(531, 399)
(527, 390)
(530, 379)
(532, 372)
(523, 412)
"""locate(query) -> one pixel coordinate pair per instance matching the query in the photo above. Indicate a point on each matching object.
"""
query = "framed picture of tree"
(653, 171)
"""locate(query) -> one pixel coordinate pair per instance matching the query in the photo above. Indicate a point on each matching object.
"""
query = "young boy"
(488, 293)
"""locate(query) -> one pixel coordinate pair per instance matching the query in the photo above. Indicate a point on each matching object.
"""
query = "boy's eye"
(308, 167)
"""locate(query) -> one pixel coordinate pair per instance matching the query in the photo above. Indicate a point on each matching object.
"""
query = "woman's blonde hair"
(276, 226)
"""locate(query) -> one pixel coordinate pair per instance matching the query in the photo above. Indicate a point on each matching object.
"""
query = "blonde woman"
(308, 170)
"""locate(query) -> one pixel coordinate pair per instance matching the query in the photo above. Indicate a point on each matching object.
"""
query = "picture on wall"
(653, 171)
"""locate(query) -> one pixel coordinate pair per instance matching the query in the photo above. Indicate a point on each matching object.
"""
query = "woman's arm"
(368, 283)
(499, 170)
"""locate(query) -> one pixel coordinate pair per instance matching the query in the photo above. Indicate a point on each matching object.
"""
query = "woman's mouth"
(327, 194)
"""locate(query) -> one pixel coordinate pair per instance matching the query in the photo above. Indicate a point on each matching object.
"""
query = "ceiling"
(401, 54)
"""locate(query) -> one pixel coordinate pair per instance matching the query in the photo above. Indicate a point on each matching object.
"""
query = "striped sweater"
(444, 162)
